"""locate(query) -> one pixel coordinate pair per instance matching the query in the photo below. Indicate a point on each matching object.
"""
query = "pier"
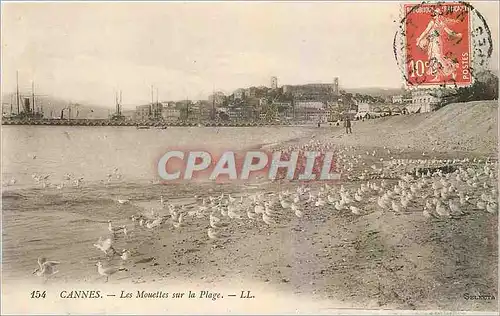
(110, 122)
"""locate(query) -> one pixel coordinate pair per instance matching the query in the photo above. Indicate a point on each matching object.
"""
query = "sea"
(95, 153)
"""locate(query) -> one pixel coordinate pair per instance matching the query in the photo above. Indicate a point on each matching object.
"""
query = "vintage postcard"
(163, 158)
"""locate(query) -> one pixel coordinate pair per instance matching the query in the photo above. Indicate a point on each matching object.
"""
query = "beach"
(322, 261)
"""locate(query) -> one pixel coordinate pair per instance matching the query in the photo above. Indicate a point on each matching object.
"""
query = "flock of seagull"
(68, 180)
(439, 189)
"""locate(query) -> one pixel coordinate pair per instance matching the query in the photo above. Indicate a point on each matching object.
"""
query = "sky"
(85, 52)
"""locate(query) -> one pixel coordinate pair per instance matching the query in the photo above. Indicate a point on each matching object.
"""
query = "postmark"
(442, 44)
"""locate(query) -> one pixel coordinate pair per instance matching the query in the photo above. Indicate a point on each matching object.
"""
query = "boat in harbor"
(142, 127)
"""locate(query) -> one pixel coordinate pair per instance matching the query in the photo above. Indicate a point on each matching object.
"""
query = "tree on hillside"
(485, 87)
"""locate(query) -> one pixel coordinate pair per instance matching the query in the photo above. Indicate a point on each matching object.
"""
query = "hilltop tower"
(335, 86)
(274, 83)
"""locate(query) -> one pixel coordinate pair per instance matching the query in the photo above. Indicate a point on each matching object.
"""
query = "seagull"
(441, 210)
(46, 268)
(427, 213)
(481, 205)
(251, 215)
(339, 205)
(268, 210)
(112, 229)
(454, 207)
(320, 202)
(354, 210)
(105, 245)
(154, 223)
(267, 219)
(382, 203)
(396, 207)
(214, 221)
(125, 255)
(212, 233)
(297, 210)
(107, 272)
(259, 209)
(358, 197)
(178, 223)
(491, 207)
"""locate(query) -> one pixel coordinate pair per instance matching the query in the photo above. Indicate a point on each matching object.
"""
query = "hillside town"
(306, 103)
(310, 103)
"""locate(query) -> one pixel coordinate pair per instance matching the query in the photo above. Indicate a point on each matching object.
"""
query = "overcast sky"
(84, 52)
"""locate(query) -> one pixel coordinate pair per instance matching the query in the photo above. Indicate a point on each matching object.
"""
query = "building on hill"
(310, 92)
(239, 94)
(263, 102)
(424, 100)
(309, 104)
(143, 112)
(170, 112)
(217, 99)
(397, 99)
(274, 83)
(157, 111)
(310, 111)
(404, 98)
(251, 92)
(241, 113)
(365, 107)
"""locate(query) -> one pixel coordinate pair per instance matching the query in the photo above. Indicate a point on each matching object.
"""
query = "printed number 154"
(38, 294)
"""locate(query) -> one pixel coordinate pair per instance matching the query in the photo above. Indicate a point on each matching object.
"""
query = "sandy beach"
(323, 261)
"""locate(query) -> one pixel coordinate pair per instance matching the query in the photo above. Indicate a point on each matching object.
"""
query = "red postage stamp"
(438, 44)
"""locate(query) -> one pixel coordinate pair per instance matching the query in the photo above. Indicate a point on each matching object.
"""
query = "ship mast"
(117, 106)
(17, 92)
(212, 116)
(157, 112)
(33, 95)
(152, 101)
(118, 103)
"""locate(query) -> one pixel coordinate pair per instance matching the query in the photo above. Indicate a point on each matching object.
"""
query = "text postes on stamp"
(438, 44)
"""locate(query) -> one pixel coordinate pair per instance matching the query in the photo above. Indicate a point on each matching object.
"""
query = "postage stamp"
(438, 44)
(442, 43)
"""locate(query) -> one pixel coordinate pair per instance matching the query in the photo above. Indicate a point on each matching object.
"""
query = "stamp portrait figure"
(431, 40)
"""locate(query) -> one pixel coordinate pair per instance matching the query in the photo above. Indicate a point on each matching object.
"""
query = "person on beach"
(347, 124)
